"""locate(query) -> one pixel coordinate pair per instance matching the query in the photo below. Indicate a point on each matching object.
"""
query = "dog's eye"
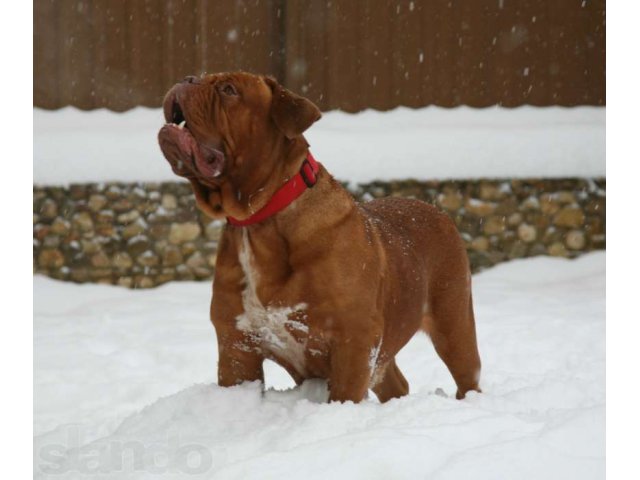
(229, 89)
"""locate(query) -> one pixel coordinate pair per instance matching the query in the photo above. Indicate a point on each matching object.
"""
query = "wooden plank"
(595, 51)
(168, 43)
(222, 33)
(343, 60)
(81, 53)
(578, 63)
(46, 76)
(293, 16)
(307, 50)
(334, 97)
(202, 36)
(536, 75)
(489, 61)
(111, 71)
(511, 37)
(146, 54)
(278, 38)
(428, 52)
(477, 53)
(568, 52)
(76, 54)
(446, 92)
(406, 54)
(252, 17)
(101, 92)
(180, 43)
(377, 54)
(524, 56)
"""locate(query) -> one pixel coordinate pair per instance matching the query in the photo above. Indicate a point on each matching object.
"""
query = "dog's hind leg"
(392, 384)
(450, 324)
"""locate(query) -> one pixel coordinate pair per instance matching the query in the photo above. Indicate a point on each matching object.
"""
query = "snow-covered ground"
(125, 386)
(428, 143)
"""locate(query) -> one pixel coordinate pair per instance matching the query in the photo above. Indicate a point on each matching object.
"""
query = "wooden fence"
(341, 54)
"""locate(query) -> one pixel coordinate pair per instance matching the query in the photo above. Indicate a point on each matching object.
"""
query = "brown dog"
(326, 287)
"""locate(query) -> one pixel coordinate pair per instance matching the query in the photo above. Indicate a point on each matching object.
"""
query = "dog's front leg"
(236, 365)
(350, 371)
(239, 356)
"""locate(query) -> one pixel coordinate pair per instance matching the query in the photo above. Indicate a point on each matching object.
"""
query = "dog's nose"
(191, 79)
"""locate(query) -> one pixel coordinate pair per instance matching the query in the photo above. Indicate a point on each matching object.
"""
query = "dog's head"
(231, 135)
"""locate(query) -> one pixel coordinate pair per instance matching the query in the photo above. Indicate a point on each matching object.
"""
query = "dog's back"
(418, 234)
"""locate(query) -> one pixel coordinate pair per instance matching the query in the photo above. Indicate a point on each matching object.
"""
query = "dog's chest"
(280, 331)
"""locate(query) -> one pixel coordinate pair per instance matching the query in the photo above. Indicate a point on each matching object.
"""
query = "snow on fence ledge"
(144, 234)
(71, 146)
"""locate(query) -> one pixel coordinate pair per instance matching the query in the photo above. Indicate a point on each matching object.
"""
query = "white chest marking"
(268, 324)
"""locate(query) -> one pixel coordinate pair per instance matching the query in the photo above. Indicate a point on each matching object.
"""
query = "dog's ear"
(291, 113)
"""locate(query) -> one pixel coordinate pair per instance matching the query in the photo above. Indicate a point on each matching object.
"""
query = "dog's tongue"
(194, 158)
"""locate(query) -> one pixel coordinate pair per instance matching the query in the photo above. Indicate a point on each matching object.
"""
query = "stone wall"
(142, 235)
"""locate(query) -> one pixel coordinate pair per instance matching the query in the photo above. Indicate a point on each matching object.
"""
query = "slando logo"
(126, 456)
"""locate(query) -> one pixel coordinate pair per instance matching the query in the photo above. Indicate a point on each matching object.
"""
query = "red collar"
(295, 186)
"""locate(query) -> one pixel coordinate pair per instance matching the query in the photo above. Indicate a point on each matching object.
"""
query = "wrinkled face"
(225, 132)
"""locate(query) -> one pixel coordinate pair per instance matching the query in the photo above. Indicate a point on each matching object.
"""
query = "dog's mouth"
(188, 157)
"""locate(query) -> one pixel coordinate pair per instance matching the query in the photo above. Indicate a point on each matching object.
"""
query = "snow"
(72, 146)
(125, 385)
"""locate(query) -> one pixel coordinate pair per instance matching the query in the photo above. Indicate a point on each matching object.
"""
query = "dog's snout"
(191, 79)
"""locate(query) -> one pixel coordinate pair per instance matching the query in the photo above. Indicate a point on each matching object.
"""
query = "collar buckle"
(308, 174)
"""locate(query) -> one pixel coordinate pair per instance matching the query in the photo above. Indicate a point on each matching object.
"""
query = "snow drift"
(125, 388)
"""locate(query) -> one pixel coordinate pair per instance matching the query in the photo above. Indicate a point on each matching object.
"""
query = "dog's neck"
(305, 178)
(314, 213)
